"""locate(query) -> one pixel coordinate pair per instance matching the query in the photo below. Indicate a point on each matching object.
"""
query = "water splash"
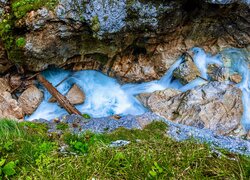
(237, 61)
(202, 60)
(105, 96)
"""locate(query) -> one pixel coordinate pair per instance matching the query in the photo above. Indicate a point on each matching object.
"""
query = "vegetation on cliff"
(28, 152)
(9, 33)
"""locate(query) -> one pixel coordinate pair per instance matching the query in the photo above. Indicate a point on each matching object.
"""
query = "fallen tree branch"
(62, 100)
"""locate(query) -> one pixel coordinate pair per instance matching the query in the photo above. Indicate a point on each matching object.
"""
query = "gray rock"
(216, 106)
(228, 1)
(176, 131)
(119, 143)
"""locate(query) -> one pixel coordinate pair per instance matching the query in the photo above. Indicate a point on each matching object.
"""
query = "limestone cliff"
(134, 40)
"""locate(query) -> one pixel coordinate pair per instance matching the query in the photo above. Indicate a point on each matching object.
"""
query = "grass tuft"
(29, 153)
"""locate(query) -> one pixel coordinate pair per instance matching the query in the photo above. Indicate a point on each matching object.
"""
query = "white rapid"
(105, 96)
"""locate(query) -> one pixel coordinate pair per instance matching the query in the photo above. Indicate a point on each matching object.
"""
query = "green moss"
(20, 42)
(95, 24)
(10, 36)
(21, 7)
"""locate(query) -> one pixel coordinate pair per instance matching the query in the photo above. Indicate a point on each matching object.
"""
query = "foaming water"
(236, 60)
(202, 60)
(105, 96)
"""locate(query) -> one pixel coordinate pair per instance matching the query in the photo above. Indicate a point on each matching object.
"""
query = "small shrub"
(86, 116)
(7, 168)
(20, 42)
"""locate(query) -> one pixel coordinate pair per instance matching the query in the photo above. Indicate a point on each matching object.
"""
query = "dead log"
(62, 100)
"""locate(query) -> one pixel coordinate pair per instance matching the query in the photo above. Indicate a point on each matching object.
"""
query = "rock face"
(30, 99)
(216, 106)
(4, 85)
(5, 64)
(131, 40)
(9, 107)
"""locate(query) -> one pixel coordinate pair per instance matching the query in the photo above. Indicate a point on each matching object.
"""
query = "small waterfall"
(105, 96)
(202, 60)
(238, 61)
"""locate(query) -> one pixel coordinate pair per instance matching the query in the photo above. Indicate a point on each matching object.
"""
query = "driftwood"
(62, 100)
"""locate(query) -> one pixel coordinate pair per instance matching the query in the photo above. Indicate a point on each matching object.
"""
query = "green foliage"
(8, 31)
(95, 24)
(20, 42)
(7, 168)
(6, 27)
(83, 142)
(150, 155)
(62, 126)
(86, 116)
(22, 7)
(155, 170)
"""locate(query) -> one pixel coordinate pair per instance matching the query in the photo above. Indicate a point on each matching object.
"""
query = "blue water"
(105, 96)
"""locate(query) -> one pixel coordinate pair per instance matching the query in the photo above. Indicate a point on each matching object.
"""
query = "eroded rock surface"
(216, 106)
(75, 95)
(4, 85)
(9, 107)
(30, 99)
(187, 71)
(132, 40)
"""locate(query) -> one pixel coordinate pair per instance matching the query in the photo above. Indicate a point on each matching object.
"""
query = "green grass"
(34, 154)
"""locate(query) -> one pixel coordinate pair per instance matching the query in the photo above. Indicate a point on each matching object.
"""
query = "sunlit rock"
(216, 106)
(30, 99)
(9, 107)
(75, 96)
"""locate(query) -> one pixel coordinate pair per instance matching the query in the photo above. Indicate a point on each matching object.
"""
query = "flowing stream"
(105, 96)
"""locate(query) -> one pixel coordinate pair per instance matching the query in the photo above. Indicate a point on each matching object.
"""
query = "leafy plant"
(155, 170)
(20, 42)
(86, 116)
(7, 169)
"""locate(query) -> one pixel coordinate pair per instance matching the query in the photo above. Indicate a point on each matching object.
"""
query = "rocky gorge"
(186, 61)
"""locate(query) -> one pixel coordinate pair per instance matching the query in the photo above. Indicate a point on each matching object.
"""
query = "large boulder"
(75, 96)
(30, 99)
(9, 107)
(216, 106)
